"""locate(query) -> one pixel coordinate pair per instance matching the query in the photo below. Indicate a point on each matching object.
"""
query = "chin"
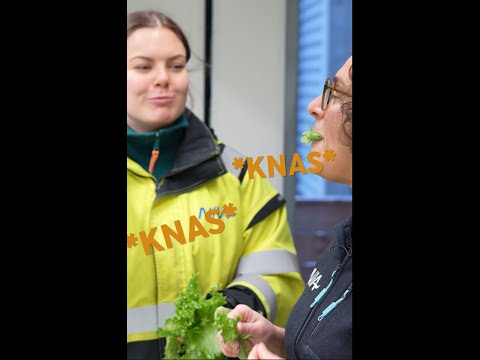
(161, 122)
(167, 117)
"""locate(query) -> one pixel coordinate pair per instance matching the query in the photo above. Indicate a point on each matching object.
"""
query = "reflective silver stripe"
(268, 262)
(265, 289)
(228, 155)
(148, 318)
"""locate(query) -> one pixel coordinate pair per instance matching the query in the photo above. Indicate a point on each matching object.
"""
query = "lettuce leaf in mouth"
(310, 135)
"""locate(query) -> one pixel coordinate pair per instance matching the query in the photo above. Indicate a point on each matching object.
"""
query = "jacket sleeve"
(268, 267)
(243, 295)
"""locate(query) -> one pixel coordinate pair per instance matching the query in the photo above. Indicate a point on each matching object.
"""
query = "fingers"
(260, 351)
(246, 328)
(254, 353)
(265, 353)
(242, 310)
(257, 326)
(230, 349)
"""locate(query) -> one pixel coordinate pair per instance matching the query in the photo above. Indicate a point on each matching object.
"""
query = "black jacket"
(330, 338)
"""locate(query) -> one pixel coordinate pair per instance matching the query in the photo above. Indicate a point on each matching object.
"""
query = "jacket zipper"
(155, 154)
(336, 272)
(332, 306)
(324, 290)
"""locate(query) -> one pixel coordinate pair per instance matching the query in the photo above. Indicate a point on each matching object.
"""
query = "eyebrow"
(177, 57)
(140, 58)
(150, 59)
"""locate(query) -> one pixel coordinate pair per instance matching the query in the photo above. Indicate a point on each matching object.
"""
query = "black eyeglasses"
(327, 93)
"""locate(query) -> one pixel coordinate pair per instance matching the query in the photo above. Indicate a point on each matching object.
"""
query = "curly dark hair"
(155, 19)
(347, 114)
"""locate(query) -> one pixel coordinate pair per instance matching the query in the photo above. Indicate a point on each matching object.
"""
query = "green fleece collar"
(165, 141)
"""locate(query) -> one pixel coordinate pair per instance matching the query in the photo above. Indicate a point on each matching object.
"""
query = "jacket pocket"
(310, 353)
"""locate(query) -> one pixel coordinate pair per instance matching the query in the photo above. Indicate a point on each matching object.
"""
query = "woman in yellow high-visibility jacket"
(177, 171)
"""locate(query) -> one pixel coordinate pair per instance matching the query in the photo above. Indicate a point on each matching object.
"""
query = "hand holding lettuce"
(260, 331)
(192, 332)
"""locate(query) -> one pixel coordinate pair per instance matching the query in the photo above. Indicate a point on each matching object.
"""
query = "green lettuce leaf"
(310, 135)
(192, 332)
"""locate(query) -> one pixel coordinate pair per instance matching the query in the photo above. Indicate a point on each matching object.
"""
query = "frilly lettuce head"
(192, 332)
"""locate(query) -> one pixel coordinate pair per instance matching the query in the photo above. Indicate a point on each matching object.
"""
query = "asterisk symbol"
(329, 155)
(229, 210)
(131, 240)
(238, 163)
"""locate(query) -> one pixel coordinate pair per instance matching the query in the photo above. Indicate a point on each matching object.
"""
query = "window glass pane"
(325, 42)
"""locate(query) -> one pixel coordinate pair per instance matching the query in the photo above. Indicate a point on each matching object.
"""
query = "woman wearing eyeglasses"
(320, 324)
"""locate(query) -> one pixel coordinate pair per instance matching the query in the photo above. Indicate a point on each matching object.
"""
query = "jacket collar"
(343, 239)
(197, 160)
(197, 145)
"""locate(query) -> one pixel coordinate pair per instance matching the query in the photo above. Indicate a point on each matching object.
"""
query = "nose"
(315, 107)
(161, 78)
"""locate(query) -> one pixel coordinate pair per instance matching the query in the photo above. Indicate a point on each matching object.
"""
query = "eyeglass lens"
(326, 96)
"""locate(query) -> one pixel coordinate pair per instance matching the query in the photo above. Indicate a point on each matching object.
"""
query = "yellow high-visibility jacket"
(170, 237)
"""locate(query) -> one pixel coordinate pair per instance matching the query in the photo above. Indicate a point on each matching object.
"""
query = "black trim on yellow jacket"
(243, 295)
(276, 202)
(197, 160)
(146, 350)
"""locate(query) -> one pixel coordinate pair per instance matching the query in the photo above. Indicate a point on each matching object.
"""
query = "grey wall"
(248, 79)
